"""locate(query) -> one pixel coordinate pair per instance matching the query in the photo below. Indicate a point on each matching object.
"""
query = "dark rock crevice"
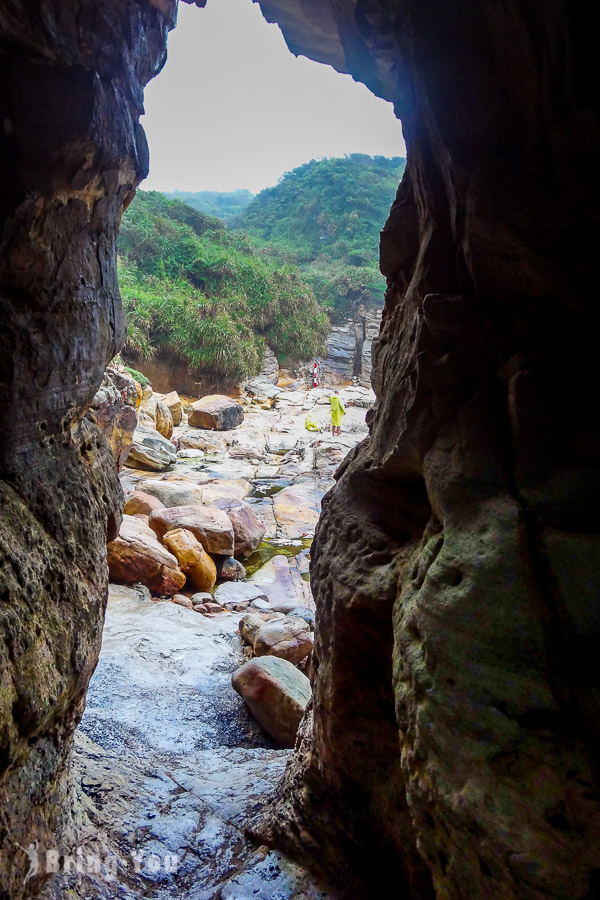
(451, 745)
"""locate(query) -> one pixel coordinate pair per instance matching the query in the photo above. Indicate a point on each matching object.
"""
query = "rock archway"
(454, 737)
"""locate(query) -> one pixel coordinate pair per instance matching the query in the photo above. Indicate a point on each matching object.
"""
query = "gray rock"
(238, 594)
(150, 450)
(230, 568)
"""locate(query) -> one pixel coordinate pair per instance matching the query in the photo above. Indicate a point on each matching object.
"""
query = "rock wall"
(453, 742)
(71, 153)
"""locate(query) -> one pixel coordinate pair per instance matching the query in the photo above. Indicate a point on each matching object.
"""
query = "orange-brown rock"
(164, 419)
(192, 558)
(140, 502)
(172, 401)
(211, 527)
(216, 412)
(136, 555)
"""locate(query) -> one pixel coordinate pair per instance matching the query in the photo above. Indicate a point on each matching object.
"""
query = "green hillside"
(227, 205)
(325, 217)
(203, 294)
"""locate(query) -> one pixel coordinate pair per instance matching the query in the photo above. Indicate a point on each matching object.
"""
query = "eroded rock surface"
(169, 765)
(449, 558)
(71, 153)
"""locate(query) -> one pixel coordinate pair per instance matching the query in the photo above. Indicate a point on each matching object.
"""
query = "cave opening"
(452, 734)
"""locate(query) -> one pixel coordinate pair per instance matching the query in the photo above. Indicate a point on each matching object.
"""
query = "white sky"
(233, 108)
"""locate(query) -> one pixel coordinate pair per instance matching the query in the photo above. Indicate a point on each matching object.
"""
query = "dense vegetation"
(227, 205)
(325, 217)
(201, 293)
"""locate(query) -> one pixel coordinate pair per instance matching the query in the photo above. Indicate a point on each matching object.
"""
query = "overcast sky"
(233, 108)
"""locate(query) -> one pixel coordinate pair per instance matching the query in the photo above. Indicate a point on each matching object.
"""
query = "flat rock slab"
(238, 594)
(297, 510)
(173, 493)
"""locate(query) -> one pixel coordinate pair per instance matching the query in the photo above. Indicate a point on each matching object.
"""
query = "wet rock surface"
(169, 764)
(169, 760)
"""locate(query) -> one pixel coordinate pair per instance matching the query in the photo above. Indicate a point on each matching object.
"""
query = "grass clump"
(204, 295)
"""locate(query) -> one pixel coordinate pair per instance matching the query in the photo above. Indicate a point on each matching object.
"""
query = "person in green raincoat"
(337, 411)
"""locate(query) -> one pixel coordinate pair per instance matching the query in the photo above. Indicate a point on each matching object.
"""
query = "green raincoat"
(337, 410)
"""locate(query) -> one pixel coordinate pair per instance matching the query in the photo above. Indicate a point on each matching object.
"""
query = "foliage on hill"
(227, 205)
(325, 217)
(203, 294)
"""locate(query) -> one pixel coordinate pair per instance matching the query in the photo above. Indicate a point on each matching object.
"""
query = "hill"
(325, 217)
(226, 205)
(202, 294)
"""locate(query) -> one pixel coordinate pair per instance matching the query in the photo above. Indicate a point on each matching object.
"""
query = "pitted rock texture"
(71, 153)
(114, 408)
(455, 724)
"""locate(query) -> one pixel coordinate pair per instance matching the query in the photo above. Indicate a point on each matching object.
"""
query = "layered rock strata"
(71, 153)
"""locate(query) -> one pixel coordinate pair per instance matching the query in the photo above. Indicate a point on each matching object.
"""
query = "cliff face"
(71, 153)
(457, 562)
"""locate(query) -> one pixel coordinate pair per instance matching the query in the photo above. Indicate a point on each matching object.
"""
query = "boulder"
(192, 558)
(236, 595)
(276, 693)
(173, 403)
(230, 569)
(149, 403)
(212, 527)
(212, 607)
(137, 556)
(251, 624)
(150, 450)
(190, 454)
(288, 638)
(216, 412)
(141, 503)
(164, 419)
(248, 530)
(182, 600)
(173, 493)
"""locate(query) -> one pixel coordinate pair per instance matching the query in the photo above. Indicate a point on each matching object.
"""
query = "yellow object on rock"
(311, 423)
